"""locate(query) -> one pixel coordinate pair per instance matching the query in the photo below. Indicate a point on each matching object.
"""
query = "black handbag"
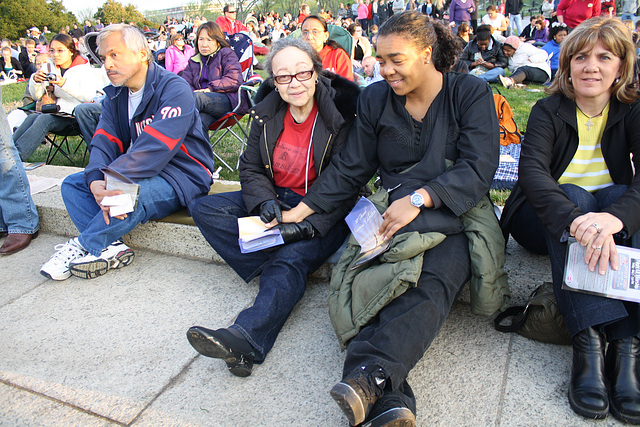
(539, 320)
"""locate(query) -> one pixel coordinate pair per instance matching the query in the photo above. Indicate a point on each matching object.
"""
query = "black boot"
(359, 391)
(587, 388)
(226, 345)
(622, 373)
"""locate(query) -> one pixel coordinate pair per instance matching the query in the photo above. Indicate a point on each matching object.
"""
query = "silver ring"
(599, 248)
(595, 225)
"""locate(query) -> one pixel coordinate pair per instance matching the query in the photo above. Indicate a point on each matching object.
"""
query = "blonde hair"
(615, 37)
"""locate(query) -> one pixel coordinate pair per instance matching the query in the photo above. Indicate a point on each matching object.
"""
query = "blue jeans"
(157, 199)
(283, 270)
(515, 23)
(617, 319)
(491, 76)
(18, 213)
(397, 338)
(35, 127)
(212, 106)
(88, 116)
(626, 16)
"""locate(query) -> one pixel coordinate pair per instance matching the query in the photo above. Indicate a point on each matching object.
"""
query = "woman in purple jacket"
(214, 74)
(459, 12)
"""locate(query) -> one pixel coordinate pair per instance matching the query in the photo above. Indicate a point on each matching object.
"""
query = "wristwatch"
(417, 200)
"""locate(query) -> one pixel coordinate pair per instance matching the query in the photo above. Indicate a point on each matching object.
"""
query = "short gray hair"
(133, 38)
(297, 43)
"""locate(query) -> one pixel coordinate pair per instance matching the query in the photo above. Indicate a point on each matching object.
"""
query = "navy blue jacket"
(165, 137)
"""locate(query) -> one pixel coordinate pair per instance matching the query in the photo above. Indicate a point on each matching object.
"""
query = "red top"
(230, 27)
(337, 61)
(576, 11)
(291, 152)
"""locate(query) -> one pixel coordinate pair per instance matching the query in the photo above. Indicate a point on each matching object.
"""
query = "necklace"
(589, 123)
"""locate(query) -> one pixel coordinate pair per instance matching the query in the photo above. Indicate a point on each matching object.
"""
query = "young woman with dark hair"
(73, 80)
(432, 136)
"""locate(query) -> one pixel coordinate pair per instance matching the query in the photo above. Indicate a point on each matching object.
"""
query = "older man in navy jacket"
(150, 133)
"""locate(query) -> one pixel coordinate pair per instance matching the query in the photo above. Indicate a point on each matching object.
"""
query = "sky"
(77, 5)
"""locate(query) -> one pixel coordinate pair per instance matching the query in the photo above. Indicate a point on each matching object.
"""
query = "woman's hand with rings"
(595, 230)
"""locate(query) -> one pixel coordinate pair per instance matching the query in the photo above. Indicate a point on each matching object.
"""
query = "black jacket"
(15, 64)
(549, 146)
(495, 55)
(463, 131)
(513, 7)
(336, 98)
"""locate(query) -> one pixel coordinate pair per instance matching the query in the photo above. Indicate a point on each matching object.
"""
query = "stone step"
(174, 235)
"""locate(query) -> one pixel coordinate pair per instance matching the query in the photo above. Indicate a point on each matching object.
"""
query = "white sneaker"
(57, 268)
(507, 82)
(116, 255)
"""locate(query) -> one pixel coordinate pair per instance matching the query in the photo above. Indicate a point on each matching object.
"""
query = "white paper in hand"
(118, 205)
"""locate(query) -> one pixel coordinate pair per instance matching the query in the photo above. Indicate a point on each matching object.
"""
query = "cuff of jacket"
(94, 175)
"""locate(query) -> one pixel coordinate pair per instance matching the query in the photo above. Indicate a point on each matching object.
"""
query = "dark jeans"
(403, 330)
(283, 270)
(212, 106)
(617, 319)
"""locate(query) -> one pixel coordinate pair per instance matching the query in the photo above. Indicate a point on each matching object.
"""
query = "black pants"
(404, 329)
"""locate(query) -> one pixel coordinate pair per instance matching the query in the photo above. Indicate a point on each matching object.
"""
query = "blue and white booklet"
(253, 235)
(364, 221)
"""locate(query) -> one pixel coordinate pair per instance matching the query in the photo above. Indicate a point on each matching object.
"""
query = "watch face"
(417, 200)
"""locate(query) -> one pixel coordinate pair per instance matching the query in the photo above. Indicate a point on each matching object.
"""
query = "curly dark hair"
(423, 33)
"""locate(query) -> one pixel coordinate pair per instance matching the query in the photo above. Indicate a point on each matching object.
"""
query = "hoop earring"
(276, 88)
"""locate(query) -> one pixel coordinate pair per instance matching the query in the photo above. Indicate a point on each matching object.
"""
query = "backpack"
(508, 129)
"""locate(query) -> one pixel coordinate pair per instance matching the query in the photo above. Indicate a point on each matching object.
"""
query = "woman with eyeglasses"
(302, 121)
(430, 135)
(334, 57)
(178, 54)
(73, 81)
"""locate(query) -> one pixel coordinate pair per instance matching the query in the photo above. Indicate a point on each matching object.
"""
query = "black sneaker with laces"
(358, 392)
(390, 411)
(223, 344)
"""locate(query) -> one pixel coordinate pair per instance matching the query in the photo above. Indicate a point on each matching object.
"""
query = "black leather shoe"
(390, 411)
(622, 373)
(358, 392)
(588, 389)
(223, 344)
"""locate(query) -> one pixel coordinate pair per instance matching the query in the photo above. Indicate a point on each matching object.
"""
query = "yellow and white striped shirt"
(587, 168)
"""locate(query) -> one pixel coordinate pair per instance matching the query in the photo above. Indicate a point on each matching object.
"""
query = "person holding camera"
(59, 87)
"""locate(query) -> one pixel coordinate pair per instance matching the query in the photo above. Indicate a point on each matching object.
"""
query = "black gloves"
(296, 231)
(270, 210)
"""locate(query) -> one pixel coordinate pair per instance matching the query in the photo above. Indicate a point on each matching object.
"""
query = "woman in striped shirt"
(576, 179)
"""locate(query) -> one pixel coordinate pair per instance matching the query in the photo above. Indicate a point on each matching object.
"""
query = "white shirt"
(135, 98)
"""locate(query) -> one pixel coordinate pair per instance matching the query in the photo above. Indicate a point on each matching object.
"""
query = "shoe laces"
(66, 252)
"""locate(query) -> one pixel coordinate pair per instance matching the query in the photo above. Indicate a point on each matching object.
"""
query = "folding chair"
(224, 126)
(59, 143)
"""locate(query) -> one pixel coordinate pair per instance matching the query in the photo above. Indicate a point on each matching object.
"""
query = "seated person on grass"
(484, 56)
(150, 132)
(527, 63)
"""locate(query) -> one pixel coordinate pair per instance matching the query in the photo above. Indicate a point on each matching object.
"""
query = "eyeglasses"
(302, 76)
(231, 11)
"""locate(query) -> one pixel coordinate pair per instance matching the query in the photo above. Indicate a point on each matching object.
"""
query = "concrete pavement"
(113, 350)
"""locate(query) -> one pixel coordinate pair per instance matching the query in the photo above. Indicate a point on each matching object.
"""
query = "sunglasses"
(302, 76)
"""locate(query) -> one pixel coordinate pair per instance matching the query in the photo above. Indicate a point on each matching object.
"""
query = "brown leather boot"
(15, 242)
